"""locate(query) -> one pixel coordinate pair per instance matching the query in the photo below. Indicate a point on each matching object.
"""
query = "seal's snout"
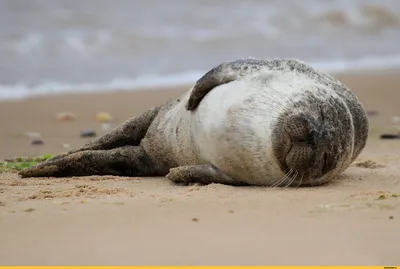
(305, 146)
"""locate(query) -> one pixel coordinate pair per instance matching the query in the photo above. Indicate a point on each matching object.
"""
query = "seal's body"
(254, 122)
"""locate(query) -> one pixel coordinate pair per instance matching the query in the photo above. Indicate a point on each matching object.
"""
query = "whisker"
(282, 102)
(301, 180)
(277, 184)
(292, 179)
(280, 180)
(289, 101)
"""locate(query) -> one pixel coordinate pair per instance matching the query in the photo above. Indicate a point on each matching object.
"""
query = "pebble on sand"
(104, 117)
(372, 113)
(390, 136)
(65, 116)
(35, 138)
(36, 142)
(88, 133)
(106, 127)
(66, 146)
(33, 135)
(395, 119)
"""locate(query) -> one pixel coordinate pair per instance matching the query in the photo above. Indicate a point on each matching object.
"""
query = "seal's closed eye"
(325, 162)
(328, 163)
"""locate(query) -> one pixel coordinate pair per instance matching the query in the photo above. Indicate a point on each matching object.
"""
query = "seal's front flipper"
(222, 74)
(122, 161)
(203, 174)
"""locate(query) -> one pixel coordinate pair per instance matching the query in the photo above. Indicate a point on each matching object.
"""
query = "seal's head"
(314, 139)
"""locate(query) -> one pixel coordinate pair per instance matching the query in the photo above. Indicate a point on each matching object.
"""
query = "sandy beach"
(107, 220)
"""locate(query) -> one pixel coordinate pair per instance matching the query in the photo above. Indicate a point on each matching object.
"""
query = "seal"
(276, 122)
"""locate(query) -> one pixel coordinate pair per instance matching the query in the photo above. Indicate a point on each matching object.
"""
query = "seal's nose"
(301, 156)
(298, 127)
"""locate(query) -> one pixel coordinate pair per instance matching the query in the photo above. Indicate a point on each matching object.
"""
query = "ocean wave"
(262, 19)
(149, 82)
(370, 17)
(366, 63)
(22, 90)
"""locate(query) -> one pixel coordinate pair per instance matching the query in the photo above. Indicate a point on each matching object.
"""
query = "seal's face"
(313, 140)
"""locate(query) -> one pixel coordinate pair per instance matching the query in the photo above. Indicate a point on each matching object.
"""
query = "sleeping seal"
(273, 122)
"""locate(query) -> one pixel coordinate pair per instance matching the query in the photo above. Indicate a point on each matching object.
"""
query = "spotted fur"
(252, 122)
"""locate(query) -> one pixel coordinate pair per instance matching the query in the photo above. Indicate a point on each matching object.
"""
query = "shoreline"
(339, 74)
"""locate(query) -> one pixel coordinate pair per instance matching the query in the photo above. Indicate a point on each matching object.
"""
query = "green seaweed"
(382, 197)
(388, 195)
(20, 163)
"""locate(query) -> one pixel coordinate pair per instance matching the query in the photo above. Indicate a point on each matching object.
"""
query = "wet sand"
(149, 221)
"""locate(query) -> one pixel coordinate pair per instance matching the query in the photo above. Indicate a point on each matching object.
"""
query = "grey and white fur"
(256, 122)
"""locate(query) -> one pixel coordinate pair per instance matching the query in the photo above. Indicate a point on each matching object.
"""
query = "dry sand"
(148, 221)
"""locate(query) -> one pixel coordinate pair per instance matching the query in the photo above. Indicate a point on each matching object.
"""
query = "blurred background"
(54, 46)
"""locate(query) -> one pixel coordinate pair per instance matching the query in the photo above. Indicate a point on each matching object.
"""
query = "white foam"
(21, 90)
(366, 63)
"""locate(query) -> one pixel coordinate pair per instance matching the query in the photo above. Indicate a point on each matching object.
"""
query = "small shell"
(65, 116)
(395, 119)
(32, 135)
(106, 127)
(104, 117)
